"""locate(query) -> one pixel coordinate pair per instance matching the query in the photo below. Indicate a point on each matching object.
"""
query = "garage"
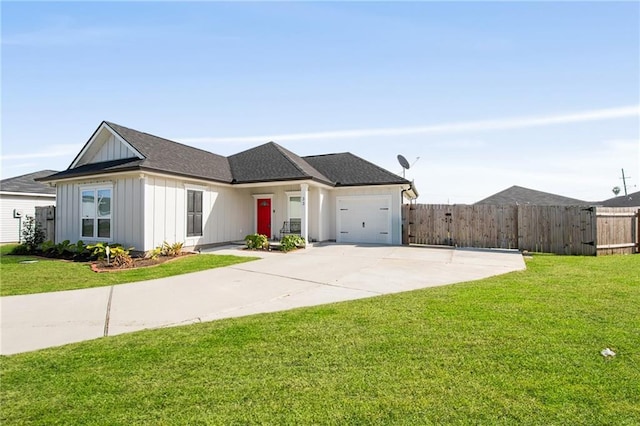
(364, 219)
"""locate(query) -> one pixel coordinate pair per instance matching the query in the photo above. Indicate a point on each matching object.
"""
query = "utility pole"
(624, 182)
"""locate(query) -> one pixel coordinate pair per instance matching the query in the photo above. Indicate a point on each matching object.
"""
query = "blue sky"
(488, 95)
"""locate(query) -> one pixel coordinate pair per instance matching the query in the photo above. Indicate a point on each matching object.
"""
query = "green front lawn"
(54, 275)
(522, 348)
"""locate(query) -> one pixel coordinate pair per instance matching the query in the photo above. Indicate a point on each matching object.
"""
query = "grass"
(522, 348)
(55, 275)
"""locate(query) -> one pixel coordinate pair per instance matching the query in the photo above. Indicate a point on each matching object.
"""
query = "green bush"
(32, 234)
(20, 249)
(257, 241)
(116, 252)
(165, 249)
(171, 250)
(290, 242)
(47, 247)
(154, 253)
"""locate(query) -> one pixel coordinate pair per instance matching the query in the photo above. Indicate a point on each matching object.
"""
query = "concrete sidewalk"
(320, 274)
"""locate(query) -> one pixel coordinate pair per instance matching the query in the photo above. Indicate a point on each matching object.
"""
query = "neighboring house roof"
(269, 162)
(519, 195)
(346, 169)
(629, 200)
(27, 183)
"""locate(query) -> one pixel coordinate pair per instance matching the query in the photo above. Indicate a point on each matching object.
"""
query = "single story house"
(137, 189)
(525, 196)
(19, 197)
(629, 200)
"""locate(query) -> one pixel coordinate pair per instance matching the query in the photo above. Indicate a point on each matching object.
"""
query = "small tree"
(32, 234)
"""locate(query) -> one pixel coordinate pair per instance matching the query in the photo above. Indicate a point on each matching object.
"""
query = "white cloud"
(62, 35)
(61, 150)
(447, 128)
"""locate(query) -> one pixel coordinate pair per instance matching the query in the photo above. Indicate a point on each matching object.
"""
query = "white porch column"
(304, 200)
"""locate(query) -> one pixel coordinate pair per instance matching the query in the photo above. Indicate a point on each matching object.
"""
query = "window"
(96, 213)
(194, 213)
(295, 213)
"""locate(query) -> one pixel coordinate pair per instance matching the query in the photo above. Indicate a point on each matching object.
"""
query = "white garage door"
(364, 219)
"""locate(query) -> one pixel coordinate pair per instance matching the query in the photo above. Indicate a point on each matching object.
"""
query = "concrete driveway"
(320, 274)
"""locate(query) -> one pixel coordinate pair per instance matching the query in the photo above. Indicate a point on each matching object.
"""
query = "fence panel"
(617, 230)
(571, 230)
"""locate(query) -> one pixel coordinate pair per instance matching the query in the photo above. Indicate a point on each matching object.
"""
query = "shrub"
(121, 257)
(79, 249)
(64, 248)
(290, 242)
(20, 249)
(47, 247)
(101, 251)
(153, 253)
(32, 234)
(257, 241)
(165, 249)
(171, 250)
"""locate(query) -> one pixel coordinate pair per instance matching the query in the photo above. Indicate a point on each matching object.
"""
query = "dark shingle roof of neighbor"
(520, 195)
(346, 169)
(28, 184)
(629, 200)
(269, 162)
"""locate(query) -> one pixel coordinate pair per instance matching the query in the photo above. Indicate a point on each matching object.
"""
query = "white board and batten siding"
(369, 215)
(10, 227)
(224, 213)
(127, 216)
(107, 147)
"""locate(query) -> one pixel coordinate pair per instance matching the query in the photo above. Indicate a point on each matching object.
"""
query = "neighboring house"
(19, 196)
(139, 190)
(522, 196)
(629, 200)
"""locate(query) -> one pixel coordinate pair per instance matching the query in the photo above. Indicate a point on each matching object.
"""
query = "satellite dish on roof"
(404, 163)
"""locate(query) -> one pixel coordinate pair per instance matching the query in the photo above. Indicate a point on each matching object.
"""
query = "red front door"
(264, 216)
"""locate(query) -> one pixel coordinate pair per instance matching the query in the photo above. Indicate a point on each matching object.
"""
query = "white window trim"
(289, 195)
(97, 188)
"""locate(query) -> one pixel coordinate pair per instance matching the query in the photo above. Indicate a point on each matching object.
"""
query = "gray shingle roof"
(265, 163)
(28, 184)
(346, 169)
(169, 156)
(520, 195)
(122, 165)
(629, 200)
(271, 162)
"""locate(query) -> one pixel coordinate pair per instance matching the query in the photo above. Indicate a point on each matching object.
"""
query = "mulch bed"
(138, 262)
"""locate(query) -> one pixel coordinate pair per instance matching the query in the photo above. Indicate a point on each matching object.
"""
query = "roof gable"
(28, 184)
(520, 195)
(143, 151)
(346, 169)
(105, 145)
(271, 162)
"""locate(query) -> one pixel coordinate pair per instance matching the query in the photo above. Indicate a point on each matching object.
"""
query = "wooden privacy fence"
(578, 230)
(45, 217)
